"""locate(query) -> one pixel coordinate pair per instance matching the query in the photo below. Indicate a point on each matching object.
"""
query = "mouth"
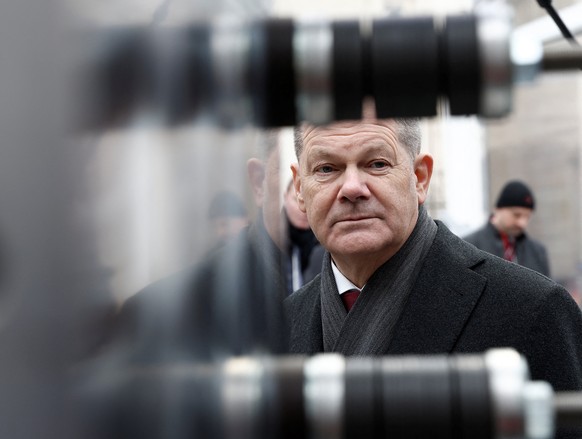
(353, 219)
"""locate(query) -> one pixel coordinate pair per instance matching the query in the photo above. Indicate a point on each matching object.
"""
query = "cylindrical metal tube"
(324, 390)
(508, 373)
(312, 44)
(565, 59)
(472, 397)
(348, 67)
(280, 72)
(493, 37)
(568, 409)
(539, 411)
(230, 44)
(330, 396)
(273, 78)
(362, 410)
(242, 398)
(405, 67)
(413, 385)
(461, 72)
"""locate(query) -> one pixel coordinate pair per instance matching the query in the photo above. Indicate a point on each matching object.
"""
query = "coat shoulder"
(305, 296)
(503, 278)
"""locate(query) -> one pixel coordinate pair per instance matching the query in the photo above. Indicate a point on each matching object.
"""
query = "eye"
(324, 169)
(379, 164)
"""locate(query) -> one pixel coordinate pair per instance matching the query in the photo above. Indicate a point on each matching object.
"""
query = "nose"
(354, 186)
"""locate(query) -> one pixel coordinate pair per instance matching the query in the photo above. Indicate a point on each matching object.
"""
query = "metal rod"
(566, 59)
(568, 409)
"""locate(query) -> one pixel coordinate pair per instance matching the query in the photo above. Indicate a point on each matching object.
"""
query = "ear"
(495, 217)
(297, 186)
(423, 165)
(256, 171)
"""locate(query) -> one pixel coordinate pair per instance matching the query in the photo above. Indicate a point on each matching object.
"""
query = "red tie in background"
(349, 298)
(508, 248)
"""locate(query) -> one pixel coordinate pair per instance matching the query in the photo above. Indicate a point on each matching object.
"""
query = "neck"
(357, 269)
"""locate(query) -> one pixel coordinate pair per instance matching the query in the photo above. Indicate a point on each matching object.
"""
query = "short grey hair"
(409, 134)
(407, 130)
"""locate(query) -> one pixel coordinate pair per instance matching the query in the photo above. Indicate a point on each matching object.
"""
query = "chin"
(359, 249)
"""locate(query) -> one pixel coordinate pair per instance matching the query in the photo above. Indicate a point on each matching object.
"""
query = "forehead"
(377, 131)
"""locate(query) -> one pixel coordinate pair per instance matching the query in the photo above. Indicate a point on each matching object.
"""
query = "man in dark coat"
(396, 282)
(228, 304)
(505, 235)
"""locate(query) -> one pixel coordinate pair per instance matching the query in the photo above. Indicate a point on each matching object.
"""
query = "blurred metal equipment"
(333, 397)
(229, 73)
(278, 72)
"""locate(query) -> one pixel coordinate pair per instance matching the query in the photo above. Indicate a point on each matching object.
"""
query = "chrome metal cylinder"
(312, 45)
(494, 36)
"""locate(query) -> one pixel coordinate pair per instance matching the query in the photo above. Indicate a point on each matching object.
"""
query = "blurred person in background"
(230, 303)
(303, 250)
(228, 216)
(505, 235)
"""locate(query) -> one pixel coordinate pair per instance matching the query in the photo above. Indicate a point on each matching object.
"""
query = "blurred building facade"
(540, 142)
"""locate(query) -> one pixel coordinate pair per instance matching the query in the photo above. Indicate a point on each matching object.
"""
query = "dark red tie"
(508, 247)
(349, 298)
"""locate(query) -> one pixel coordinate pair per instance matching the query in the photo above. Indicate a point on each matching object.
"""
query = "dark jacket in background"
(158, 374)
(530, 253)
(229, 304)
(309, 255)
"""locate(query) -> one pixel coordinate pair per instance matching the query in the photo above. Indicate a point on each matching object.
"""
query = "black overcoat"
(467, 301)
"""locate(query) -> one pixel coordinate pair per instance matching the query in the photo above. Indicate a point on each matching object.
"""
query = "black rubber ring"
(285, 400)
(360, 413)
(475, 419)
(347, 80)
(405, 67)
(273, 75)
(461, 64)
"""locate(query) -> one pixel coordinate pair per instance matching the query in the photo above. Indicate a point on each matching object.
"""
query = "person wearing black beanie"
(505, 236)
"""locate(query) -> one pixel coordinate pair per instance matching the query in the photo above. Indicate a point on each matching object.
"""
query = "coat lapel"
(441, 300)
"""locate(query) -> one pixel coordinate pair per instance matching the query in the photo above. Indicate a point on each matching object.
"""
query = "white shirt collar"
(342, 282)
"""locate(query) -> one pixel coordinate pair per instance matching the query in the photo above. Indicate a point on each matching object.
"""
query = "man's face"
(512, 221)
(360, 188)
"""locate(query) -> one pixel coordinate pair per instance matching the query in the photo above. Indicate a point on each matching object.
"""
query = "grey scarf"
(368, 328)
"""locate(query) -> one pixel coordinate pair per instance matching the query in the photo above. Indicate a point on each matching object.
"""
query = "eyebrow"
(374, 147)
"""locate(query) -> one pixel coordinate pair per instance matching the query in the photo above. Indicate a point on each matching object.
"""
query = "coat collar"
(435, 314)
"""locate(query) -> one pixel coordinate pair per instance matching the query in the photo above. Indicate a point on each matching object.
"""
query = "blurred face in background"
(226, 227)
(228, 215)
(512, 221)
